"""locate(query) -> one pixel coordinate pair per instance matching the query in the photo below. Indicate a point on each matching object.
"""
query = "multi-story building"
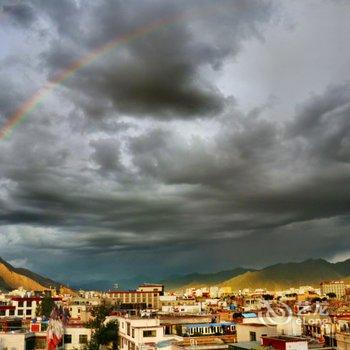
(343, 340)
(285, 343)
(247, 332)
(25, 307)
(199, 329)
(13, 340)
(79, 308)
(75, 337)
(336, 287)
(135, 299)
(136, 333)
(173, 304)
(7, 310)
(151, 287)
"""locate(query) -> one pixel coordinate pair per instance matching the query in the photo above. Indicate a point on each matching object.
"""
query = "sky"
(218, 139)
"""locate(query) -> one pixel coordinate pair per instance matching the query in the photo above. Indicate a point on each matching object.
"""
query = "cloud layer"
(148, 157)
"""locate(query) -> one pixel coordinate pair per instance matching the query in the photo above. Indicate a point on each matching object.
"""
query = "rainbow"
(32, 103)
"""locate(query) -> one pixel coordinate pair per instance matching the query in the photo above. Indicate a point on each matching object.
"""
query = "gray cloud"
(157, 74)
(21, 13)
(142, 156)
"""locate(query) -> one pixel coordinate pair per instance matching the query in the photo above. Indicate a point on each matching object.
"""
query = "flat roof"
(285, 338)
(246, 344)
(210, 324)
(255, 325)
(131, 292)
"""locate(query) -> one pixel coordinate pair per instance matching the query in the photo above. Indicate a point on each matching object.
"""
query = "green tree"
(45, 307)
(102, 333)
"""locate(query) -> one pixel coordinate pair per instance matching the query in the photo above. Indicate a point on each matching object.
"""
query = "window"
(20, 312)
(29, 312)
(29, 304)
(147, 334)
(83, 339)
(252, 336)
(133, 332)
(2, 312)
(67, 338)
(12, 312)
(128, 328)
(20, 304)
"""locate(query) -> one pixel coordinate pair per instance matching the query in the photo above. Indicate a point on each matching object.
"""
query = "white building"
(247, 332)
(25, 307)
(13, 341)
(141, 333)
(75, 337)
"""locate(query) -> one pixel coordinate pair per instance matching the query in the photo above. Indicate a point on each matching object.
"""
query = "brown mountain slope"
(281, 276)
(12, 278)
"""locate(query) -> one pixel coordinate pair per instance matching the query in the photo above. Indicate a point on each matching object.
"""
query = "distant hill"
(13, 278)
(201, 279)
(275, 277)
(281, 276)
(104, 285)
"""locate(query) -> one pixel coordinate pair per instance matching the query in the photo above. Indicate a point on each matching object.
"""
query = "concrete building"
(151, 287)
(79, 308)
(217, 342)
(198, 329)
(25, 307)
(285, 343)
(336, 287)
(172, 304)
(135, 299)
(176, 323)
(137, 333)
(75, 337)
(343, 340)
(13, 341)
(248, 332)
(7, 311)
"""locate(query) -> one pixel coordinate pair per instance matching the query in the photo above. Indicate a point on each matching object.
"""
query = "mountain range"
(274, 277)
(282, 276)
(13, 278)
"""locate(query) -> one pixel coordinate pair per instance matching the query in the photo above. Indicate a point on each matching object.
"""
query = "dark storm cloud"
(107, 154)
(156, 74)
(140, 157)
(222, 188)
(9, 97)
(237, 172)
(235, 157)
(21, 13)
(324, 124)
